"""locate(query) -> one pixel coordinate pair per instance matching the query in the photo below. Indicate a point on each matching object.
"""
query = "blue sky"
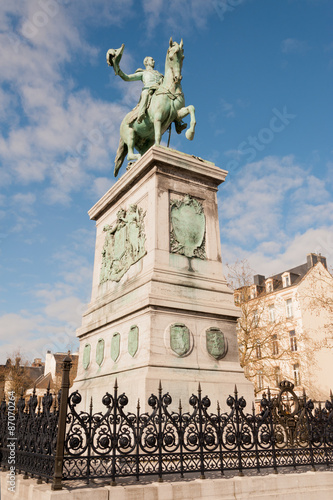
(259, 73)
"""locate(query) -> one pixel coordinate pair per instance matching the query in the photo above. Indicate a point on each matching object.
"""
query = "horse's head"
(174, 59)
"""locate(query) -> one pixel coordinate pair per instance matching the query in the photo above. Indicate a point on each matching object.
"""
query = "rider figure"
(151, 79)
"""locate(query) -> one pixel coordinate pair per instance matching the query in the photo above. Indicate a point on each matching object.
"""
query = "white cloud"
(100, 186)
(252, 207)
(294, 46)
(294, 254)
(274, 213)
(68, 309)
(174, 14)
(24, 201)
(38, 334)
(227, 108)
(64, 135)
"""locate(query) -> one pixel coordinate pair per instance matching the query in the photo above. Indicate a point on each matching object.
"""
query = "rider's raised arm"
(130, 78)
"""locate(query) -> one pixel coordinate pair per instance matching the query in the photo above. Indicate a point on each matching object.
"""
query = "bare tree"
(266, 351)
(317, 297)
(16, 374)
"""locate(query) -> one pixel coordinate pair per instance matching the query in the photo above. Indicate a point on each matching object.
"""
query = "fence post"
(239, 435)
(160, 434)
(59, 458)
(201, 435)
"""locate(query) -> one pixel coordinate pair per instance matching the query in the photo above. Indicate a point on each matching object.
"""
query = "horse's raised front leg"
(188, 110)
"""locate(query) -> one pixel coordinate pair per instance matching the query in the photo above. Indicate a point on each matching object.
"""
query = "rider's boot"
(141, 117)
(180, 126)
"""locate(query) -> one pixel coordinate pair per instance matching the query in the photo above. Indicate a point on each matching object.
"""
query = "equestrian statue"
(161, 103)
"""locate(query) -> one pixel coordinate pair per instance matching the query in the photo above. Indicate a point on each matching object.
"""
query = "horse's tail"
(120, 156)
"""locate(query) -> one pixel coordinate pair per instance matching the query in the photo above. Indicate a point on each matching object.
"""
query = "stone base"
(140, 383)
(298, 486)
(171, 315)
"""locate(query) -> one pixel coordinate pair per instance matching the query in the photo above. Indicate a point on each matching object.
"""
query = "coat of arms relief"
(124, 243)
(188, 227)
(216, 343)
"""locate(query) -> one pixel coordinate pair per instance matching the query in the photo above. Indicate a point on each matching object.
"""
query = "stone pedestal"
(160, 306)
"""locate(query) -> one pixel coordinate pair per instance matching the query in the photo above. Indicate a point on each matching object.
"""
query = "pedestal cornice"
(181, 164)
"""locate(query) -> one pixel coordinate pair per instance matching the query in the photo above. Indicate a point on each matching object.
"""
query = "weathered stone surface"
(298, 486)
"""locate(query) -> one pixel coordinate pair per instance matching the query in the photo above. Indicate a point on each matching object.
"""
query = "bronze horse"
(167, 105)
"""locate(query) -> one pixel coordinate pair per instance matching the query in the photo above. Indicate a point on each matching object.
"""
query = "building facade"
(285, 329)
(51, 375)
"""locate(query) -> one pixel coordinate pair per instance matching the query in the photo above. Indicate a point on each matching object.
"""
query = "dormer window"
(286, 280)
(253, 292)
(269, 286)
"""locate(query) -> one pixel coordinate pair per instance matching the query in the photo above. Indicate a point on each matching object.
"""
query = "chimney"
(37, 362)
(258, 279)
(312, 259)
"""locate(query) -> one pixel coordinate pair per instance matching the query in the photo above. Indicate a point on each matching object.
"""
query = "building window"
(271, 312)
(258, 350)
(255, 318)
(286, 280)
(260, 380)
(293, 341)
(253, 293)
(297, 378)
(289, 308)
(275, 345)
(269, 287)
(277, 373)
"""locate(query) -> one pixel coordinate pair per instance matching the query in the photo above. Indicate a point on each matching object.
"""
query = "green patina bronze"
(100, 352)
(216, 343)
(86, 356)
(180, 339)
(133, 340)
(115, 346)
(124, 243)
(161, 103)
(188, 226)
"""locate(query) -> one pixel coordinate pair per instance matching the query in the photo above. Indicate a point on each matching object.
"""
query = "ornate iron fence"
(64, 443)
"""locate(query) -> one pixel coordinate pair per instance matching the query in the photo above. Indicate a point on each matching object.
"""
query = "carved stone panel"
(86, 356)
(115, 346)
(124, 243)
(100, 351)
(216, 343)
(188, 226)
(180, 339)
(133, 340)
